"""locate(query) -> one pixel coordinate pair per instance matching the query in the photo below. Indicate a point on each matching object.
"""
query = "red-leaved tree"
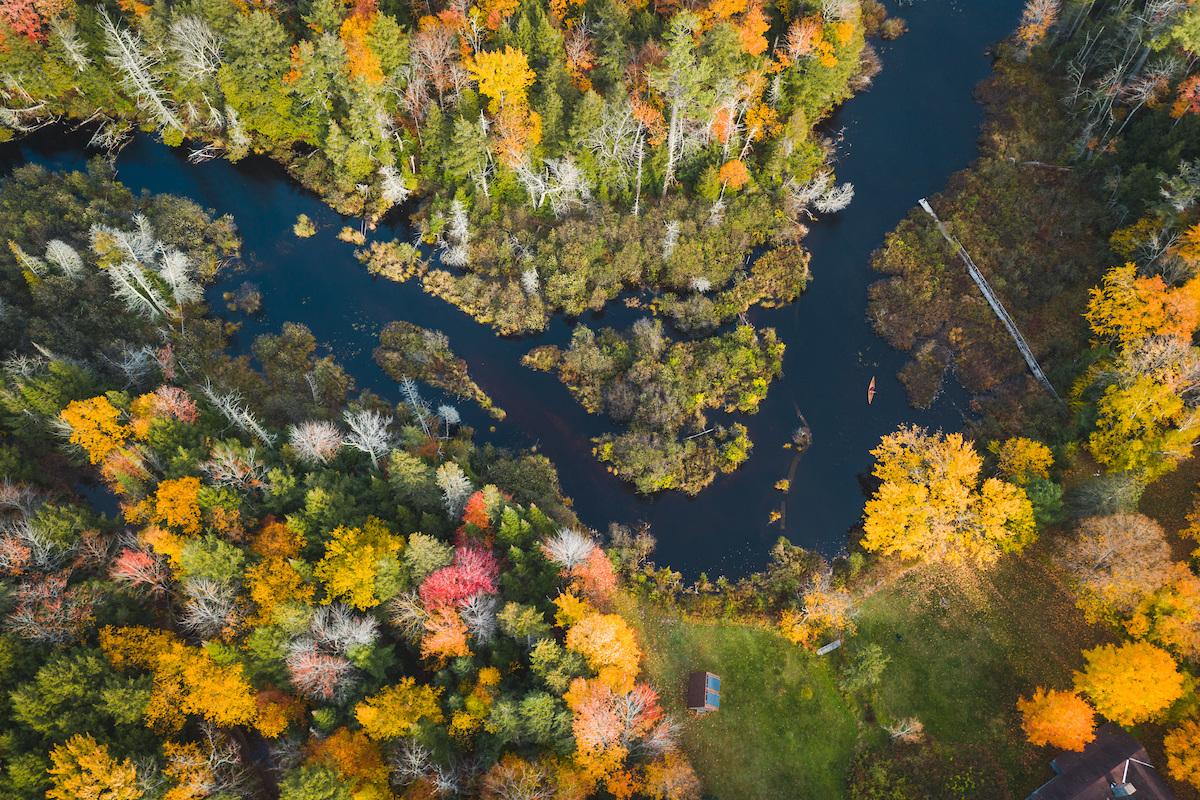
(170, 402)
(474, 571)
(596, 578)
(50, 612)
(141, 569)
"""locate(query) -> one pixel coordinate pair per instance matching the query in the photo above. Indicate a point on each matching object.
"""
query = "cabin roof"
(1088, 775)
(704, 691)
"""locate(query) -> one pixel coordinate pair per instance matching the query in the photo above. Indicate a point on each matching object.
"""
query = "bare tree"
(316, 442)
(198, 48)
(670, 239)
(132, 286)
(479, 614)
(410, 762)
(135, 63)
(30, 262)
(1183, 188)
(450, 416)
(336, 627)
(408, 615)
(369, 433)
(836, 199)
(210, 609)
(64, 31)
(907, 730)
(392, 187)
(176, 269)
(614, 142)
(568, 548)
(453, 243)
(321, 676)
(136, 364)
(230, 406)
(838, 10)
(65, 257)
(1117, 560)
(530, 282)
(236, 467)
(418, 406)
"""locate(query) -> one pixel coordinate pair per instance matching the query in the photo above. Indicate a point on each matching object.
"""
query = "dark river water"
(902, 140)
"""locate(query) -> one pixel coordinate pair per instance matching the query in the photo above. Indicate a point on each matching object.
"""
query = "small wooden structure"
(704, 692)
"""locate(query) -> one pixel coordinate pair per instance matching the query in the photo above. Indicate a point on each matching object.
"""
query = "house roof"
(1111, 757)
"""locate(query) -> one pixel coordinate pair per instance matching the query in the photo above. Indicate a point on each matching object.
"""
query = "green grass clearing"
(768, 739)
(960, 668)
(964, 662)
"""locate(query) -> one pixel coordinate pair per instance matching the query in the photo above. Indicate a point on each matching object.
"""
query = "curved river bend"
(902, 140)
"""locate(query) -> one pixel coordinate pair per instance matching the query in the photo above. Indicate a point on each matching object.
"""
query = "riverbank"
(831, 354)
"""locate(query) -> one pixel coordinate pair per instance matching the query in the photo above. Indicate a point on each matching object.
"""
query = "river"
(901, 140)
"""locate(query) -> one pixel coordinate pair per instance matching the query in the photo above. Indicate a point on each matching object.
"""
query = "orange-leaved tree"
(445, 635)
(177, 505)
(609, 725)
(1063, 720)
(1130, 683)
(395, 710)
(82, 768)
(357, 760)
(595, 578)
(276, 711)
(363, 62)
(672, 778)
(1171, 616)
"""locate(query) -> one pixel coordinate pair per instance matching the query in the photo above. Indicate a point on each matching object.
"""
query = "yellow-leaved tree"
(504, 77)
(353, 560)
(932, 506)
(177, 505)
(395, 710)
(1130, 683)
(1021, 459)
(95, 426)
(186, 679)
(1183, 752)
(608, 644)
(83, 770)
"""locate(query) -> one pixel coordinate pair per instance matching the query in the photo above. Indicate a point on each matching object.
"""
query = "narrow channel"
(899, 141)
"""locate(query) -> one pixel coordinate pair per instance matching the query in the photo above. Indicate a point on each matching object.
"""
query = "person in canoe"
(871, 391)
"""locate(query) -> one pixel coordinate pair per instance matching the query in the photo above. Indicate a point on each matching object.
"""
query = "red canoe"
(871, 391)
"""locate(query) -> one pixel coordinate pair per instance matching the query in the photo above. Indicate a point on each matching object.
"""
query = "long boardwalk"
(994, 302)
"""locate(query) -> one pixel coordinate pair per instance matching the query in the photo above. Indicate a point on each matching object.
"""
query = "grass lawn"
(972, 644)
(959, 669)
(768, 740)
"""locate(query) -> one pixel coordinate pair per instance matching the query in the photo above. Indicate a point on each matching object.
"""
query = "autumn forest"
(228, 571)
